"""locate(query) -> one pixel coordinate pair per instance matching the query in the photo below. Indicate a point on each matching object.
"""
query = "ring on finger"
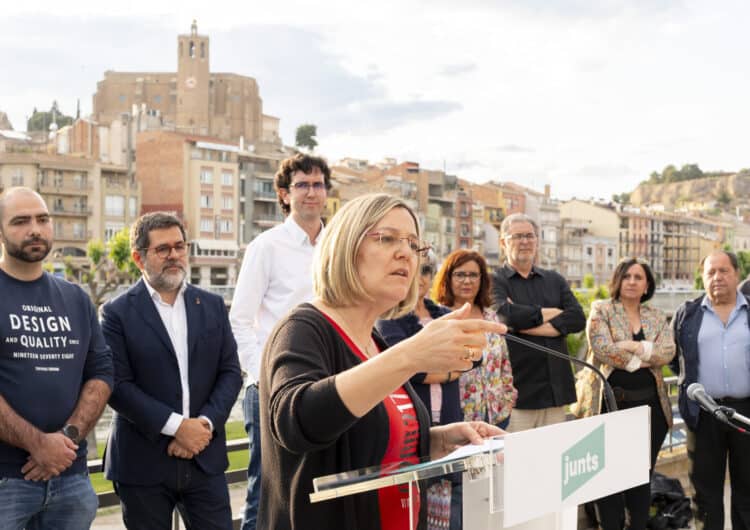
(470, 353)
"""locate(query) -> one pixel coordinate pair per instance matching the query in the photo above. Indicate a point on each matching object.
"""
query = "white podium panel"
(531, 480)
(561, 466)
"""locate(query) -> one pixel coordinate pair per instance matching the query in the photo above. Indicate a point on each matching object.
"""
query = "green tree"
(621, 198)
(106, 268)
(40, 121)
(655, 178)
(723, 197)
(691, 172)
(306, 136)
(670, 174)
(577, 341)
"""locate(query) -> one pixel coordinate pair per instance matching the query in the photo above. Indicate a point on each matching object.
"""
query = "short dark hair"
(298, 162)
(731, 255)
(622, 268)
(139, 232)
(443, 292)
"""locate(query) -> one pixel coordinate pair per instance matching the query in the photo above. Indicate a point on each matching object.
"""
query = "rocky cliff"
(734, 187)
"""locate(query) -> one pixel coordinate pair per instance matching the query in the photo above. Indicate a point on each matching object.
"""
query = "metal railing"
(677, 435)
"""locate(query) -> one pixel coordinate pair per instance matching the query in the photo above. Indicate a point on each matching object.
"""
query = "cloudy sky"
(588, 96)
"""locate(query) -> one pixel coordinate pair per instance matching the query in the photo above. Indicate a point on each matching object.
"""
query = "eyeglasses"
(462, 276)
(531, 236)
(305, 186)
(391, 240)
(426, 270)
(164, 251)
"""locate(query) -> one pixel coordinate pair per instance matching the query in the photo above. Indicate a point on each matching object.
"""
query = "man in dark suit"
(177, 376)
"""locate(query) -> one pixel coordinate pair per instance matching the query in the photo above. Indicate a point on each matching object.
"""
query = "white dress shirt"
(275, 276)
(174, 318)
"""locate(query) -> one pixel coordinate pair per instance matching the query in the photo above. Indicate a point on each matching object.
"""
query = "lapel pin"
(197, 300)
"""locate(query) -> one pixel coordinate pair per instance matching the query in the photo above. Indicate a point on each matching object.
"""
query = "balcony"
(71, 235)
(267, 220)
(71, 211)
(65, 188)
(260, 195)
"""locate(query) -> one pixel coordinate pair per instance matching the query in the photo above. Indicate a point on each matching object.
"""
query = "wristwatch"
(71, 431)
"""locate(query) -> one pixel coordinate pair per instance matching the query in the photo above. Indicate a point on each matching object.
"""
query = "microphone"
(609, 396)
(696, 392)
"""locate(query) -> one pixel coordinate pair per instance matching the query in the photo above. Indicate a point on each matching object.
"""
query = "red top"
(403, 449)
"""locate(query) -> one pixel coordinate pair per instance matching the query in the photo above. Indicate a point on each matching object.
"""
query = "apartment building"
(65, 183)
(119, 201)
(259, 208)
(550, 225)
(599, 258)
(196, 178)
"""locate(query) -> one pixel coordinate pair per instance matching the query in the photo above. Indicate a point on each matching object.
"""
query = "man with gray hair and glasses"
(538, 305)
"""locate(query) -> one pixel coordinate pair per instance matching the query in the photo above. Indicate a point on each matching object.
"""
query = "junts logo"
(582, 461)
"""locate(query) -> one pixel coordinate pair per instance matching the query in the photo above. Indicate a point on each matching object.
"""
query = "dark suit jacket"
(147, 382)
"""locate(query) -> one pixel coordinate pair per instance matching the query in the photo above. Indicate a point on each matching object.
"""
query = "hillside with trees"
(673, 187)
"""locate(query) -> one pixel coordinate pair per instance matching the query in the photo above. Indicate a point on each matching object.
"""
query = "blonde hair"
(335, 278)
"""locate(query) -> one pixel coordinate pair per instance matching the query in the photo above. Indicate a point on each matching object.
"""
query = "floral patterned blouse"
(487, 392)
(608, 324)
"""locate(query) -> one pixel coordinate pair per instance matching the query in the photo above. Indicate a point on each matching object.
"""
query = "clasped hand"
(192, 437)
(51, 455)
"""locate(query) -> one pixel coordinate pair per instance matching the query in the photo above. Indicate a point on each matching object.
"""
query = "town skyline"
(587, 99)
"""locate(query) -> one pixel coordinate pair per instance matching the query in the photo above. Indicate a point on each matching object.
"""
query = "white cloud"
(588, 97)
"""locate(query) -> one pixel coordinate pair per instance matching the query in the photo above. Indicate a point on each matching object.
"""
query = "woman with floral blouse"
(487, 393)
(629, 341)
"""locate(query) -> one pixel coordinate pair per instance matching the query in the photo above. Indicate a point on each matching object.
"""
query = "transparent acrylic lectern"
(530, 480)
(476, 462)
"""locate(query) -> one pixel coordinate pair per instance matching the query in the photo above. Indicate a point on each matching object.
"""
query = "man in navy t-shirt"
(56, 375)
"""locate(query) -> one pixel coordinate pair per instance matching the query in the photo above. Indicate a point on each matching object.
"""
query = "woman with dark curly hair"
(487, 393)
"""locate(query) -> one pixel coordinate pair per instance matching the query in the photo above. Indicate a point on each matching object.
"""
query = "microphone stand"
(609, 396)
(732, 416)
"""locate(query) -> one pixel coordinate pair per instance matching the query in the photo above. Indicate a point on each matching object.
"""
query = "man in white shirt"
(275, 277)
(177, 377)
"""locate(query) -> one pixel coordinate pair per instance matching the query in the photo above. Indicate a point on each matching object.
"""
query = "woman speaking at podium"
(334, 399)
(630, 342)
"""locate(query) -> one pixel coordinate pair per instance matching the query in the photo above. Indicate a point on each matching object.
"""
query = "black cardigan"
(394, 331)
(307, 431)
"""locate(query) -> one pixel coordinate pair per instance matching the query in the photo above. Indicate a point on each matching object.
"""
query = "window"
(207, 175)
(79, 181)
(226, 202)
(207, 224)
(157, 99)
(114, 205)
(589, 251)
(58, 179)
(79, 230)
(17, 177)
(122, 98)
(133, 207)
(207, 201)
(226, 178)
(609, 252)
(226, 226)
(110, 229)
